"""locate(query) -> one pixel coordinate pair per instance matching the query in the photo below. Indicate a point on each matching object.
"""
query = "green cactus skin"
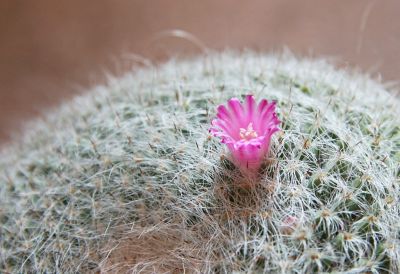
(127, 178)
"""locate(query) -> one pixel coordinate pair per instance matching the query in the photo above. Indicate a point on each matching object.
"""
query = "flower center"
(249, 133)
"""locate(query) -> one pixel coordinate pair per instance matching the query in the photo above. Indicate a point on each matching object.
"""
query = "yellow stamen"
(249, 133)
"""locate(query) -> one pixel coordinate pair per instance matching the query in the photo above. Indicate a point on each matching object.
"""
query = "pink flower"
(246, 129)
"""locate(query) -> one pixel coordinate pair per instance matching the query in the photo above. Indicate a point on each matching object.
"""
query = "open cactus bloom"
(246, 129)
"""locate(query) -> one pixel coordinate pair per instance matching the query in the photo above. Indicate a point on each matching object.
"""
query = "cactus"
(128, 178)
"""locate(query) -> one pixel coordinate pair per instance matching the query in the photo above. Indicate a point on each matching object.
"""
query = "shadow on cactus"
(128, 178)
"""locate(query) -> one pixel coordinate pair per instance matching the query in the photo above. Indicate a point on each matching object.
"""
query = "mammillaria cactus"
(128, 178)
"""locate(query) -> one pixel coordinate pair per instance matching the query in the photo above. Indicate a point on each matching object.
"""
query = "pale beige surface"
(50, 48)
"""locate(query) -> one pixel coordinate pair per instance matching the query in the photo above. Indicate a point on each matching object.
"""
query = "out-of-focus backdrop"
(51, 50)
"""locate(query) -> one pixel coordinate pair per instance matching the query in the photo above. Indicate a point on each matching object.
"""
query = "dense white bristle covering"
(127, 178)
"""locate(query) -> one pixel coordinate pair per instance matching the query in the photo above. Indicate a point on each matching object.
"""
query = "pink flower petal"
(262, 105)
(226, 127)
(223, 113)
(236, 110)
(250, 105)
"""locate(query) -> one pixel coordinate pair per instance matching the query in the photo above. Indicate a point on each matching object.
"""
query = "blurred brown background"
(50, 50)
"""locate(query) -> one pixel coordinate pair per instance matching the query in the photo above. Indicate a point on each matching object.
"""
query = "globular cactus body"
(127, 177)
